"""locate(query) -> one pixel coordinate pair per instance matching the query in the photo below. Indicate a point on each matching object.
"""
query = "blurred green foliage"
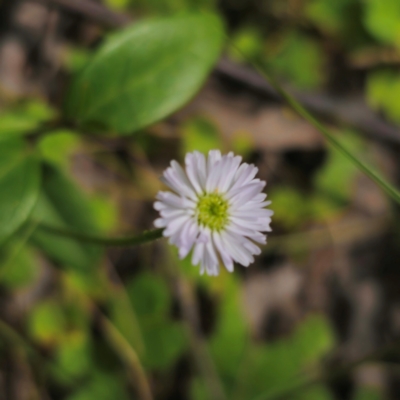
(139, 76)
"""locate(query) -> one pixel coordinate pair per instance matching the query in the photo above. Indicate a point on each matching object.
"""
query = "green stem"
(145, 237)
(330, 137)
(129, 356)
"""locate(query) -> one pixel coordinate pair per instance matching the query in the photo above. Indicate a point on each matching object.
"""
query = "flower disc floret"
(212, 211)
(217, 210)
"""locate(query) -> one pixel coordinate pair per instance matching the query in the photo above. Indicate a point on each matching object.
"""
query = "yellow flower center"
(212, 211)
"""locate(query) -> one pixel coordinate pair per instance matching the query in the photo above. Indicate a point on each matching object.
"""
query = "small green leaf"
(165, 342)
(73, 354)
(150, 296)
(58, 145)
(383, 91)
(19, 265)
(47, 323)
(247, 41)
(381, 18)
(200, 134)
(336, 177)
(146, 72)
(101, 387)
(25, 118)
(298, 59)
(19, 185)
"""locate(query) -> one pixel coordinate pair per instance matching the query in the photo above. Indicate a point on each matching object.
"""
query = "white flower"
(217, 209)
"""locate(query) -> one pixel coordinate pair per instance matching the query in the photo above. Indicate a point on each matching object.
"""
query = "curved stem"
(129, 356)
(387, 187)
(145, 237)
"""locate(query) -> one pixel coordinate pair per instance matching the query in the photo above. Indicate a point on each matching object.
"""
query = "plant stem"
(129, 356)
(330, 137)
(145, 237)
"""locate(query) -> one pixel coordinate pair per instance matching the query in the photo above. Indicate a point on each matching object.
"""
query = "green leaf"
(24, 118)
(47, 323)
(229, 342)
(19, 265)
(336, 177)
(381, 18)
(383, 91)
(19, 185)
(291, 208)
(248, 41)
(150, 296)
(57, 146)
(164, 340)
(73, 354)
(146, 72)
(101, 387)
(298, 59)
(333, 17)
(62, 204)
(200, 134)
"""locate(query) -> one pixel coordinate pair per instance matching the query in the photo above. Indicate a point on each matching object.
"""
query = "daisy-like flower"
(218, 209)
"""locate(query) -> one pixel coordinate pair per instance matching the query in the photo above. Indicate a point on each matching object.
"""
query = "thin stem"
(145, 237)
(371, 173)
(129, 356)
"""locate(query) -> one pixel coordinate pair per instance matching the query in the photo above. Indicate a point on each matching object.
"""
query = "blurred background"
(317, 316)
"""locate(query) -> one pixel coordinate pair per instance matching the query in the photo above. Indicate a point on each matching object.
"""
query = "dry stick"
(353, 113)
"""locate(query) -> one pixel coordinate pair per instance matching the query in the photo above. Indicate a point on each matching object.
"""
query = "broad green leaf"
(62, 204)
(146, 72)
(19, 185)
